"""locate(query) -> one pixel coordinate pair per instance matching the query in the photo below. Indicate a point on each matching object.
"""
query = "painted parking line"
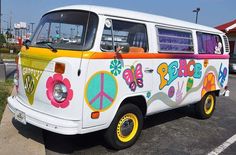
(223, 146)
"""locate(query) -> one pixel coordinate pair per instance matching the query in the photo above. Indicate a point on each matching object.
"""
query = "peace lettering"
(178, 69)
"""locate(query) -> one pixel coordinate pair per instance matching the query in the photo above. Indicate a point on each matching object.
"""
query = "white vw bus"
(88, 68)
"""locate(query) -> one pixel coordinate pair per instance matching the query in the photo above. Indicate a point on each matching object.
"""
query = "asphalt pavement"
(175, 132)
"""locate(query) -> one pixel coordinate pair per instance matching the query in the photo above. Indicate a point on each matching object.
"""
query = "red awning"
(229, 27)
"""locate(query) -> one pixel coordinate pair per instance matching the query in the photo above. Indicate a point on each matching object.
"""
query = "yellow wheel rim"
(127, 127)
(209, 104)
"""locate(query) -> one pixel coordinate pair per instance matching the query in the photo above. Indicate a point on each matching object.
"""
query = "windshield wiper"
(26, 43)
(48, 43)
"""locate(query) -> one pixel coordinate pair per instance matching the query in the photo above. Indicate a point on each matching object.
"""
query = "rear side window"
(209, 43)
(174, 41)
(227, 44)
(118, 32)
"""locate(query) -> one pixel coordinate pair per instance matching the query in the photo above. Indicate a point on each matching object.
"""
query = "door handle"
(148, 70)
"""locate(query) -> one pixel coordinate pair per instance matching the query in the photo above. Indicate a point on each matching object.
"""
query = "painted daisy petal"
(49, 95)
(57, 77)
(112, 71)
(55, 104)
(67, 83)
(64, 104)
(49, 82)
(70, 94)
(112, 63)
(111, 66)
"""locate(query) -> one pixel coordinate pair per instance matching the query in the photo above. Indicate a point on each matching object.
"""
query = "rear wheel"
(205, 108)
(125, 127)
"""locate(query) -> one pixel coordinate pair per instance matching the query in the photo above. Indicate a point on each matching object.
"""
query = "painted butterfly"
(133, 77)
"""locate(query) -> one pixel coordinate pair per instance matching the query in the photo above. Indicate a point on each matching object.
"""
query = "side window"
(118, 32)
(174, 41)
(209, 43)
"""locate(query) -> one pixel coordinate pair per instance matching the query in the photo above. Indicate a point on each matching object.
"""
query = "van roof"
(100, 10)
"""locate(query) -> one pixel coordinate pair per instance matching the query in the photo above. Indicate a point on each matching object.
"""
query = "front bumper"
(44, 121)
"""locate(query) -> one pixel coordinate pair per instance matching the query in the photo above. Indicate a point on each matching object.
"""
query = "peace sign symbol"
(101, 91)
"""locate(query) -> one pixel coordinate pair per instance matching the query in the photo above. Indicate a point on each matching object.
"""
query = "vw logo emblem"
(29, 84)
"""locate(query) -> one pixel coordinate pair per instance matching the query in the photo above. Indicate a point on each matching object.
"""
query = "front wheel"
(205, 108)
(125, 127)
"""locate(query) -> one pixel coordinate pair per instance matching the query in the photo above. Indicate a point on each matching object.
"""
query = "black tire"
(205, 108)
(128, 113)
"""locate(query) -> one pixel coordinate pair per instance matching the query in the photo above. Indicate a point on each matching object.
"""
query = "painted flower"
(115, 67)
(208, 84)
(55, 79)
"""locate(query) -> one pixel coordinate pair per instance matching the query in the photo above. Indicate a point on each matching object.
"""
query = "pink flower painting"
(55, 79)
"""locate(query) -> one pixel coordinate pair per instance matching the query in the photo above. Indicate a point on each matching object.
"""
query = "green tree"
(2, 39)
(8, 34)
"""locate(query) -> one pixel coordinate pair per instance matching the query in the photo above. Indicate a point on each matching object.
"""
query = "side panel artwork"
(109, 83)
(185, 81)
(173, 83)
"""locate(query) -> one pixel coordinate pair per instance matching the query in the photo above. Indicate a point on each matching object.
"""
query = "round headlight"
(59, 92)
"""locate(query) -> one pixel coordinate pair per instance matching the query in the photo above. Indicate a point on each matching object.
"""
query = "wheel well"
(139, 101)
(216, 92)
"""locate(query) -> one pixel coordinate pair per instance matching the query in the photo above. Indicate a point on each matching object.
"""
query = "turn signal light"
(59, 67)
(95, 115)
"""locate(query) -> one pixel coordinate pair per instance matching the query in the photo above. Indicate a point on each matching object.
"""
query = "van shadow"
(29, 131)
(74, 143)
(94, 142)
(168, 116)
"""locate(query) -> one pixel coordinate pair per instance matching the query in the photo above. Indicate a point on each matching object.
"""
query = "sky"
(212, 13)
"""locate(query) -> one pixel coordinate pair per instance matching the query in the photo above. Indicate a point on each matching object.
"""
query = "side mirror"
(26, 43)
(122, 48)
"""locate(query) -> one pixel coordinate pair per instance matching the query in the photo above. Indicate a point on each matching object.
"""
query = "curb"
(9, 60)
(17, 139)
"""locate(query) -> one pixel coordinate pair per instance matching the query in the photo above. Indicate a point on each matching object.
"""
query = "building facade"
(230, 29)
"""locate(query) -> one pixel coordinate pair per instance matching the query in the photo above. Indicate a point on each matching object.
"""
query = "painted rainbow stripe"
(99, 55)
(47, 54)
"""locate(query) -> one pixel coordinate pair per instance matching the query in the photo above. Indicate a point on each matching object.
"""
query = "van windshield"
(73, 30)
